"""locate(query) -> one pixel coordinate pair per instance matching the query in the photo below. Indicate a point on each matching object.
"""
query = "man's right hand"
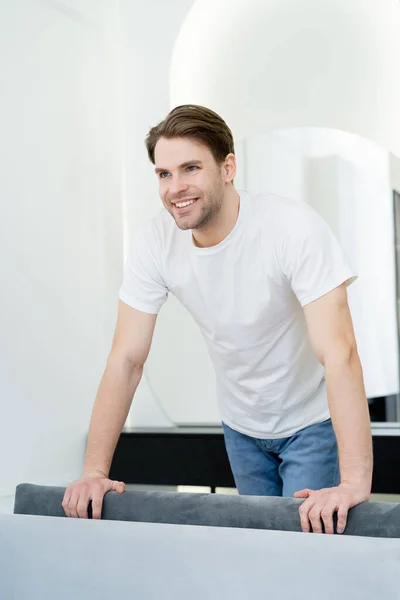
(90, 487)
(123, 372)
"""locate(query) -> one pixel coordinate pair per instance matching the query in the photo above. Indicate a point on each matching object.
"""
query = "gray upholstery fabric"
(44, 558)
(373, 519)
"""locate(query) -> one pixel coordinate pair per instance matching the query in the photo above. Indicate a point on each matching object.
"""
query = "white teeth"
(183, 204)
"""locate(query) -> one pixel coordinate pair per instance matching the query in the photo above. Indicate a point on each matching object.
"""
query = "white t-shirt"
(246, 294)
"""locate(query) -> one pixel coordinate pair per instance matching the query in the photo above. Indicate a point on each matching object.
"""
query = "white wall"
(60, 229)
(178, 384)
(274, 165)
(394, 166)
(357, 202)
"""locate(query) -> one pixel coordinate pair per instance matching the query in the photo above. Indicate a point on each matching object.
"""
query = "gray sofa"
(372, 519)
(152, 545)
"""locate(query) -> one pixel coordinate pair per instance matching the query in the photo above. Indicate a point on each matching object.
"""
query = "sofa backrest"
(372, 519)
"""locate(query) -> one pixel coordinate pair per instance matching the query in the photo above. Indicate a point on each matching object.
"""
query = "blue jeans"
(281, 467)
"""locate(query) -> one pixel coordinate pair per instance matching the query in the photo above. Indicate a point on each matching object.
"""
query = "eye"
(163, 174)
(192, 168)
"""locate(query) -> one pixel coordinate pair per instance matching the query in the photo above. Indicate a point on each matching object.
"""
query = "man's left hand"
(320, 505)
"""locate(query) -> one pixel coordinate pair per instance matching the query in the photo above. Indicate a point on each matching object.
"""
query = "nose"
(177, 187)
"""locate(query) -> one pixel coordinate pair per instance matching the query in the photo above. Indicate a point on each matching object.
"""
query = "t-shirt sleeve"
(143, 287)
(312, 258)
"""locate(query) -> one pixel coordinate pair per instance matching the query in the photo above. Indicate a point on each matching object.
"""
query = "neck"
(223, 223)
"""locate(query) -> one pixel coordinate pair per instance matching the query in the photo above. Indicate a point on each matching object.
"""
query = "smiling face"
(191, 183)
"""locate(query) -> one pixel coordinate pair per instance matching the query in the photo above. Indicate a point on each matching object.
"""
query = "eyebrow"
(182, 166)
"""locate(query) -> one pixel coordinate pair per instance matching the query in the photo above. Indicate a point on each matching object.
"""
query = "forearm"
(110, 411)
(350, 418)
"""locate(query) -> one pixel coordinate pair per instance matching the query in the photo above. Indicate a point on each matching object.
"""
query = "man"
(266, 282)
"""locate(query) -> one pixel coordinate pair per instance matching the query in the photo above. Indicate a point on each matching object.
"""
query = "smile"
(186, 203)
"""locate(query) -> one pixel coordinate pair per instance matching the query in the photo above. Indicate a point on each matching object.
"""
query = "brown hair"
(198, 123)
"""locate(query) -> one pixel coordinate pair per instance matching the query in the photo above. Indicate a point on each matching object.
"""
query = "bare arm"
(332, 337)
(123, 372)
(130, 348)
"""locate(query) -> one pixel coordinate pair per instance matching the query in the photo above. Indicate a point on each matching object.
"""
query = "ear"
(229, 168)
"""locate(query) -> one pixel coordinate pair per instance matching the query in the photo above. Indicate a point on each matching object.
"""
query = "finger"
(82, 506)
(303, 512)
(72, 505)
(97, 505)
(315, 518)
(65, 502)
(342, 517)
(327, 516)
(119, 486)
(302, 493)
